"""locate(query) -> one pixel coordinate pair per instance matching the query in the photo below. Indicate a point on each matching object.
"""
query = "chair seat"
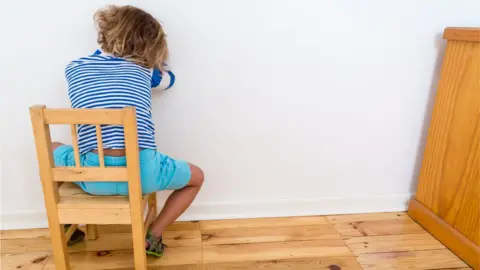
(76, 206)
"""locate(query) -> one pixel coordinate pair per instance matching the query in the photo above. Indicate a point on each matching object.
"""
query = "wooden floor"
(367, 241)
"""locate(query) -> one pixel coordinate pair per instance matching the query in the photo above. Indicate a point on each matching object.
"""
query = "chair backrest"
(42, 118)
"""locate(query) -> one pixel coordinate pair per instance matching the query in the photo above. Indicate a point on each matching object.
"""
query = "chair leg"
(138, 236)
(59, 247)
(139, 253)
(152, 202)
(92, 232)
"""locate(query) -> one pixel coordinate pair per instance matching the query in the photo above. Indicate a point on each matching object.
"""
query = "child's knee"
(55, 145)
(197, 176)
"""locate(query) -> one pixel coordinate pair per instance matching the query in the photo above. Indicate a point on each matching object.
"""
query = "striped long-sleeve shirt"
(105, 81)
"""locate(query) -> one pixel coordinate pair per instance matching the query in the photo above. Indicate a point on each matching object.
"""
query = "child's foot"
(76, 237)
(154, 246)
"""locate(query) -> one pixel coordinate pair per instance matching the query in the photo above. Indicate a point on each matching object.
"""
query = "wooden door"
(447, 201)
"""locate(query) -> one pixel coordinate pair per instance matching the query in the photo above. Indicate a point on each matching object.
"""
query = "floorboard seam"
(400, 251)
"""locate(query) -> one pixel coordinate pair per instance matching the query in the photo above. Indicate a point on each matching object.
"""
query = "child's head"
(132, 33)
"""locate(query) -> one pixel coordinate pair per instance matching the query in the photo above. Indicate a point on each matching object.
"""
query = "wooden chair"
(68, 204)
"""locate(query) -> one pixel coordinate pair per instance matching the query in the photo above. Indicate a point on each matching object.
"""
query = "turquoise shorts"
(157, 171)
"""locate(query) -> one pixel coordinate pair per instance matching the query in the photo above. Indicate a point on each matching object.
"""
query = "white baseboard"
(279, 208)
(286, 208)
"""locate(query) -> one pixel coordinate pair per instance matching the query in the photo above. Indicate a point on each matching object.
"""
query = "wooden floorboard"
(274, 251)
(262, 222)
(361, 241)
(289, 264)
(366, 217)
(420, 259)
(393, 243)
(378, 227)
(30, 261)
(121, 259)
(31, 233)
(266, 235)
(349, 263)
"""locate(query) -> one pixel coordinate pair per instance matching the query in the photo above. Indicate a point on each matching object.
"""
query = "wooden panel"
(462, 34)
(94, 216)
(393, 243)
(274, 251)
(107, 202)
(85, 116)
(72, 196)
(463, 210)
(449, 182)
(263, 235)
(70, 174)
(424, 259)
(262, 222)
(444, 232)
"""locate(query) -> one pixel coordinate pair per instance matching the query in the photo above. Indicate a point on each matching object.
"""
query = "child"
(129, 63)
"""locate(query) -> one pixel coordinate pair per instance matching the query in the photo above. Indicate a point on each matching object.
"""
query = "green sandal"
(156, 247)
(76, 237)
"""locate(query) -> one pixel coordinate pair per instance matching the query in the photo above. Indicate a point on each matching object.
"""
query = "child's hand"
(163, 78)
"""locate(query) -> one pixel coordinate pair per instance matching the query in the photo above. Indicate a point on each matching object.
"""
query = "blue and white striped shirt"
(104, 81)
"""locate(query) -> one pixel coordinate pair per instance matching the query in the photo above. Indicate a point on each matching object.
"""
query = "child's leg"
(55, 145)
(178, 202)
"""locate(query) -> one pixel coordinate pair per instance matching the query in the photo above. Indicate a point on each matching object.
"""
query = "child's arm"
(162, 80)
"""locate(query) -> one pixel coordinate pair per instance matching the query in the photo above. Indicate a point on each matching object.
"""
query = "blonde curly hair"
(133, 34)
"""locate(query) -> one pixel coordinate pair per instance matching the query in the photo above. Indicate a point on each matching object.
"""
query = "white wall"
(291, 107)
